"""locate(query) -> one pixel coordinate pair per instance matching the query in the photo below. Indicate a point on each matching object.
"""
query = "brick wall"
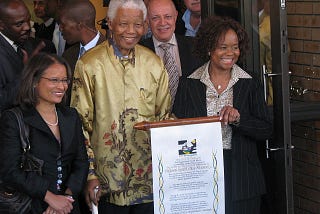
(304, 62)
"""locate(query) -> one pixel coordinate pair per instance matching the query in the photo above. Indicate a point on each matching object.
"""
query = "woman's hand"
(58, 204)
(229, 115)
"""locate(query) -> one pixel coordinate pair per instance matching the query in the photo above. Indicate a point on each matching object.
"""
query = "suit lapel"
(182, 53)
(66, 124)
(34, 119)
(66, 127)
(197, 91)
(10, 51)
(239, 90)
(149, 44)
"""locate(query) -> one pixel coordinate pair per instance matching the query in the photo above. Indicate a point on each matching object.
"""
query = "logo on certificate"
(187, 147)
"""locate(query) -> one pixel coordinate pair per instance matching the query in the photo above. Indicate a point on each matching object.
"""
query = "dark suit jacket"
(46, 33)
(11, 66)
(180, 25)
(188, 61)
(45, 146)
(43, 31)
(255, 127)
(71, 55)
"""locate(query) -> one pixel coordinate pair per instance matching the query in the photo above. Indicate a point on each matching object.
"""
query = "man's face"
(16, 23)
(127, 28)
(39, 8)
(193, 5)
(70, 29)
(162, 18)
(51, 7)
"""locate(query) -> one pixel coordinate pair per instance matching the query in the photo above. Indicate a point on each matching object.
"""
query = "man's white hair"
(114, 5)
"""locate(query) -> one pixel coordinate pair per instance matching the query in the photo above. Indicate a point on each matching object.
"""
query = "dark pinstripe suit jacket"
(255, 127)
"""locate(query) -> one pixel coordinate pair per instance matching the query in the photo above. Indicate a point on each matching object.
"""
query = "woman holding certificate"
(220, 87)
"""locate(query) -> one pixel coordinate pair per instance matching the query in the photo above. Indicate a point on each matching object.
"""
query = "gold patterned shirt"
(111, 97)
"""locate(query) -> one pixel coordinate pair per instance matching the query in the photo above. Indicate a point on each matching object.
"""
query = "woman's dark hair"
(27, 95)
(212, 29)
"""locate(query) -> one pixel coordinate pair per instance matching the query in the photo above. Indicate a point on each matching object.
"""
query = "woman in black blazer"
(220, 87)
(55, 137)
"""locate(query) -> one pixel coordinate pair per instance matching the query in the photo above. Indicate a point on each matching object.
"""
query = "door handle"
(268, 149)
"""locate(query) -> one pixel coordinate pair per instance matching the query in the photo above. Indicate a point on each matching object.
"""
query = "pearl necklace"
(53, 124)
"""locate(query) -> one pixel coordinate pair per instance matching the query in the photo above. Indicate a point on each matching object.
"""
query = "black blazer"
(11, 66)
(188, 61)
(255, 127)
(72, 53)
(45, 32)
(45, 146)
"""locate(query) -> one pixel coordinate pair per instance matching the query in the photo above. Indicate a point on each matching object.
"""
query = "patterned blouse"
(216, 102)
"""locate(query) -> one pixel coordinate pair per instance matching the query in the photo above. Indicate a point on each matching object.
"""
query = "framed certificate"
(188, 171)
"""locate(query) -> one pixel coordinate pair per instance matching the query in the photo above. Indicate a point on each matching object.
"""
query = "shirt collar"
(9, 41)
(172, 41)
(186, 18)
(92, 43)
(123, 59)
(48, 22)
(202, 73)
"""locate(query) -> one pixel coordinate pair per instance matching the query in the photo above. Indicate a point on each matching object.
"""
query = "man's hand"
(39, 47)
(90, 194)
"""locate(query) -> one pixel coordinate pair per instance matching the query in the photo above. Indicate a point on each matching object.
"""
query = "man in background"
(45, 29)
(16, 46)
(50, 29)
(78, 29)
(162, 16)
(192, 17)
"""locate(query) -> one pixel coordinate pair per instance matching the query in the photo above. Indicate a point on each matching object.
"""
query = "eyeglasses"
(56, 81)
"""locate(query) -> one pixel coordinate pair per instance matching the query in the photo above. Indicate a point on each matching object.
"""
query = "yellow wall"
(101, 12)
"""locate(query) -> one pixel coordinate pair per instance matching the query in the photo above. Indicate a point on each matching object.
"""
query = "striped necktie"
(170, 65)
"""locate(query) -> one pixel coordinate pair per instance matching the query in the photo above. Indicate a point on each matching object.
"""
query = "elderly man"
(162, 17)
(116, 85)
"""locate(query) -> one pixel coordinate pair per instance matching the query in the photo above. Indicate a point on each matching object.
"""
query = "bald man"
(162, 17)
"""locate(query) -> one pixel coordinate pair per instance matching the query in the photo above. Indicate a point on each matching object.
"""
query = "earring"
(209, 53)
